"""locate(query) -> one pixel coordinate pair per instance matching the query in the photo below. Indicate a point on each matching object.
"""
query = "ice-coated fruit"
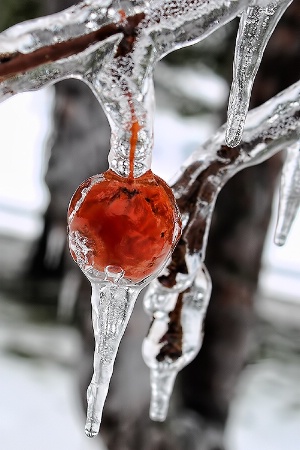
(132, 223)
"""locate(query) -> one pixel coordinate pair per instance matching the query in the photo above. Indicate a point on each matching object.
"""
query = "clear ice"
(175, 335)
(256, 27)
(289, 193)
(121, 76)
(112, 305)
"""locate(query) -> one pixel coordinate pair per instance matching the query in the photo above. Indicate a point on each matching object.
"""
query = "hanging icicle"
(256, 27)
(175, 335)
(289, 194)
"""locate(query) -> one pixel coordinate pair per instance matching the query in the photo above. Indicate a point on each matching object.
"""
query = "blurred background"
(243, 390)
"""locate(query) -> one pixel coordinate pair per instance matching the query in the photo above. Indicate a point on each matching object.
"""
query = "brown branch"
(200, 183)
(172, 339)
(16, 63)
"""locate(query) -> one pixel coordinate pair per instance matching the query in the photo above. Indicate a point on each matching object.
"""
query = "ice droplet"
(289, 194)
(112, 305)
(256, 27)
(175, 335)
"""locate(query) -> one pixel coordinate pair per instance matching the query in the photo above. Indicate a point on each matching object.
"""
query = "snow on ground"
(266, 412)
(39, 395)
(39, 407)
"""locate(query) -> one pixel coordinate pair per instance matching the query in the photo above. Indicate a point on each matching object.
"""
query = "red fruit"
(132, 223)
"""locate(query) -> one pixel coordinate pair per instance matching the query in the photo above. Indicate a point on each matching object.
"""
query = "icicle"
(112, 304)
(289, 194)
(256, 27)
(175, 335)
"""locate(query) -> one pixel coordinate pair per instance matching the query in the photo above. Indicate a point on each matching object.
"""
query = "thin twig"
(16, 63)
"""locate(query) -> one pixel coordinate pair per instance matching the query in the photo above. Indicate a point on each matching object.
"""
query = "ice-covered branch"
(43, 51)
(177, 23)
(169, 23)
(272, 127)
(175, 335)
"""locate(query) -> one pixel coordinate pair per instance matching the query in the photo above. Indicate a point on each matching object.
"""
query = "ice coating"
(270, 128)
(256, 27)
(175, 335)
(80, 66)
(73, 43)
(289, 193)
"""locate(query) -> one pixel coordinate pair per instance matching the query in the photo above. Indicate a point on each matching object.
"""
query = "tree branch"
(270, 128)
(17, 63)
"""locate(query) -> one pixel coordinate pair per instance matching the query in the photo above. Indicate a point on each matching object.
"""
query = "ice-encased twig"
(169, 24)
(112, 305)
(175, 335)
(82, 66)
(256, 27)
(272, 127)
(174, 24)
(77, 20)
(39, 52)
(289, 193)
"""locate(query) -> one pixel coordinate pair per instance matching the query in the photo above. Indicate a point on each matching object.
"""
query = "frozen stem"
(175, 335)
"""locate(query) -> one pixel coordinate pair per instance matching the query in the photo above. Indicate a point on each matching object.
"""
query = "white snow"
(266, 412)
(24, 124)
(39, 407)
(39, 394)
